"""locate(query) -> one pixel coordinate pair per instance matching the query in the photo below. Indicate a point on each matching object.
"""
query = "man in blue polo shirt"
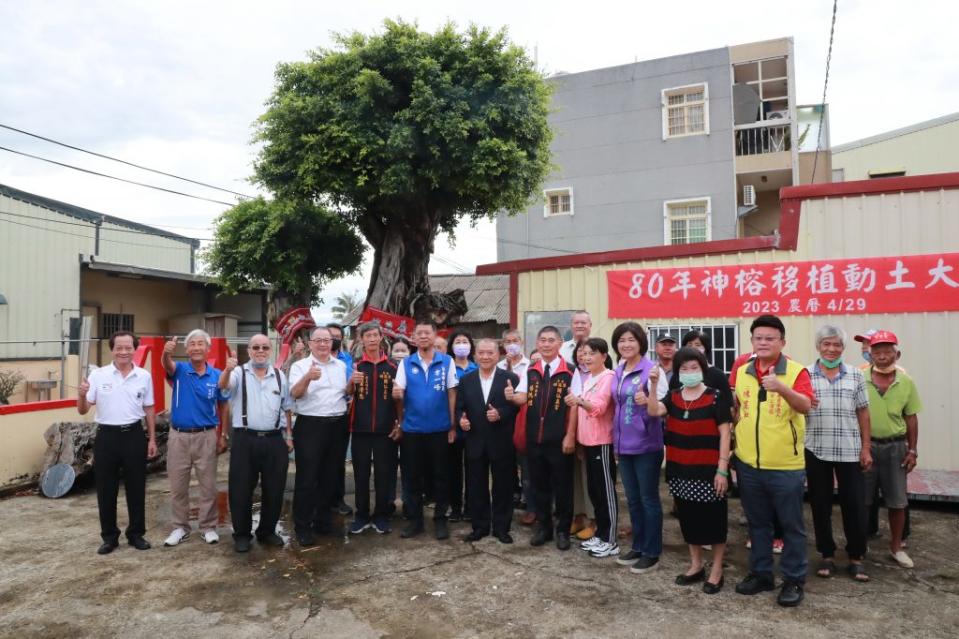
(426, 383)
(193, 438)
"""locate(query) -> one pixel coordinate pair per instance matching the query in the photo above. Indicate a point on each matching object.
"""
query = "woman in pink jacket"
(594, 433)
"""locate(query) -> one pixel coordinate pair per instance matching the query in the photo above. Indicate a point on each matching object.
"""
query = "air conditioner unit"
(749, 195)
(777, 115)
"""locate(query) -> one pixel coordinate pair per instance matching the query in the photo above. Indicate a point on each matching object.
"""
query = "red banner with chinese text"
(903, 284)
(394, 325)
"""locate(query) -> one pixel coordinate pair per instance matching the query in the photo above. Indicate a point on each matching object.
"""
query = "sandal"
(858, 573)
(826, 568)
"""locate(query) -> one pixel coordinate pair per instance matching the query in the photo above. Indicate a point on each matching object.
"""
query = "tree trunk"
(400, 282)
(280, 301)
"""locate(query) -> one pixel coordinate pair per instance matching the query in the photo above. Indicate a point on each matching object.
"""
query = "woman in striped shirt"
(697, 463)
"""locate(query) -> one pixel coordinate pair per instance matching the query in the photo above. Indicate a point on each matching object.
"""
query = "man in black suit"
(487, 402)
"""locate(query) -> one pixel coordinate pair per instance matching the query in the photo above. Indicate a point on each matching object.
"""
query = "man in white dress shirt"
(260, 406)
(123, 396)
(318, 387)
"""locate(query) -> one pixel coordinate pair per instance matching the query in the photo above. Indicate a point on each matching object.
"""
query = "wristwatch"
(912, 451)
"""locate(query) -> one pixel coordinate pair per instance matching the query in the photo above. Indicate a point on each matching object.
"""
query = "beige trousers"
(582, 505)
(186, 451)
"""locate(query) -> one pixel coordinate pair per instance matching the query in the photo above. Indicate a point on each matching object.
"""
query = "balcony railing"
(763, 137)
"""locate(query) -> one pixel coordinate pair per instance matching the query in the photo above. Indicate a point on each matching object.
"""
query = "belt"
(327, 418)
(259, 433)
(121, 428)
(198, 429)
(888, 440)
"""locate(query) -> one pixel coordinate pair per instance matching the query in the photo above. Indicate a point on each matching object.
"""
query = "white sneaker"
(590, 543)
(211, 537)
(902, 559)
(604, 549)
(176, 537)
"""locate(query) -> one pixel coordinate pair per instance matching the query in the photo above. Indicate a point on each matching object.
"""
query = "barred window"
(725, 340)
(687, 221)
(685, 111)
(113, 322)
(558, 202)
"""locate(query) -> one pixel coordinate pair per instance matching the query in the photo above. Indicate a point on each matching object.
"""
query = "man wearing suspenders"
(260, 405)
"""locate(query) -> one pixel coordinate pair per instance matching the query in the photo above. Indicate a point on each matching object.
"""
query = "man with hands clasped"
(487, 402)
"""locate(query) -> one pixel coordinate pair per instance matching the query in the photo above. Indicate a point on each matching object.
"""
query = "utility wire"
(113, 177)
(102, 239)
(825, 84)
(113, 159)
(88, 225)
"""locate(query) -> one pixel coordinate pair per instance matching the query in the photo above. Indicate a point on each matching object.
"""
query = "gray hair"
(198, 332)
(827, 331)
(366, 327)
(512, 331)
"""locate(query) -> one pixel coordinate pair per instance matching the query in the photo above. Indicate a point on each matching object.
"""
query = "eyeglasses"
(259, 348)
(322, 340)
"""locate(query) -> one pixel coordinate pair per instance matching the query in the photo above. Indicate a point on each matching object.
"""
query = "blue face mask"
(866, 355)
(259, 365)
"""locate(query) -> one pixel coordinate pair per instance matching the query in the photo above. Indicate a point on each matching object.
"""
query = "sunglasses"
(259, 348)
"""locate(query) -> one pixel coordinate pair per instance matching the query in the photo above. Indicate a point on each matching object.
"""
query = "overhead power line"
(91, 237)
(133, 164)
(89, 225)
(825, 85)
(113, 177)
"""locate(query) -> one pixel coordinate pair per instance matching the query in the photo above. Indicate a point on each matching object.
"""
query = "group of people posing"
(565, 416)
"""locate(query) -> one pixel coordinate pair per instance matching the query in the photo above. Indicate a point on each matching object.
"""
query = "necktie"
(546, 374)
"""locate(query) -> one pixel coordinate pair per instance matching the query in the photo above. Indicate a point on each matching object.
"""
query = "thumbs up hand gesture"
(170, 346)
(314, 373)
(464, 422)
(231, 361)
(397, 392)
(654, 376)
(357, 377)
(492, 415)
(509, 392)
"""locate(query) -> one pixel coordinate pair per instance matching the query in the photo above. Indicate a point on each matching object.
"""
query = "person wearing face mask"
(400, 350)
(516, 362)
(260, 405)
(714, 377)
(339, 352)
(838, 452)
(698, 426)
(462, 346)
(893, 410)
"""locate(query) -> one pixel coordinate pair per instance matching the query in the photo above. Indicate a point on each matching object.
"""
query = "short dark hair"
(597, 345)
(549, 328)
(469, 338)
(768, 321)
(688, 354)
(366, 327)
(427, 321)
(338, 327)
(636, 330)
(702, 336)
(113, 338)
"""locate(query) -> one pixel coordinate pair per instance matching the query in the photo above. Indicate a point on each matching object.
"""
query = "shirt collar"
(365, 358)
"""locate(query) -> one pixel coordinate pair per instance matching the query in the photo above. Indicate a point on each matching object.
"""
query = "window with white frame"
(686, 111)
(724, 338)
(687, 221)
(558, 202)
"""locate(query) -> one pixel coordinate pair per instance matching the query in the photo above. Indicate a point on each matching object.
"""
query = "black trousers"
(316, 445)
(601, 486)
(115, 451)
(499, 511)
(852, 504)
(344, 443)
(254, 459)
(425, 460)
(552, 473)
(381, 451)
(458, 479)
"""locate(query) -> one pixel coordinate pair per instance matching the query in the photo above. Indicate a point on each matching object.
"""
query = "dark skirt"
(702, 523)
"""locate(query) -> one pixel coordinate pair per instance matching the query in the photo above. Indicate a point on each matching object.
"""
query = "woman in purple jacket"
(638, 441)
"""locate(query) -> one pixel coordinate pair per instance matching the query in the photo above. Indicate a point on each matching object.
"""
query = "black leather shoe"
(139, 543)
(541, 536)
(711, 589)
(271, 540)
(791, 594)
(306, 539)
(686, 580)
(343, 508)
(241, 544)
(107, 547)
(442, 529)
(412, 530)
(475, 535)
(505, 538)
(754, 584)
(562, 540)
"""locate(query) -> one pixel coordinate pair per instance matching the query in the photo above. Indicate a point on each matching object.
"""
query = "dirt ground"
(53, 584)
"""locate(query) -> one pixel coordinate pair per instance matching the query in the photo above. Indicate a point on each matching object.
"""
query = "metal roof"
(888, 135)
(89, 216)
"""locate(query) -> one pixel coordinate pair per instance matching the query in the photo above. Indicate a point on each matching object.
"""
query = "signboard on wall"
(903, 284)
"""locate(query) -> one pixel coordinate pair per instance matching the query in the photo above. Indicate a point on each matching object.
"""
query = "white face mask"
(513, 350)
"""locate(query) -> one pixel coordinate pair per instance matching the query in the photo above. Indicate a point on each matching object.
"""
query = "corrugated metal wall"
(40, 270)
(914, 223)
